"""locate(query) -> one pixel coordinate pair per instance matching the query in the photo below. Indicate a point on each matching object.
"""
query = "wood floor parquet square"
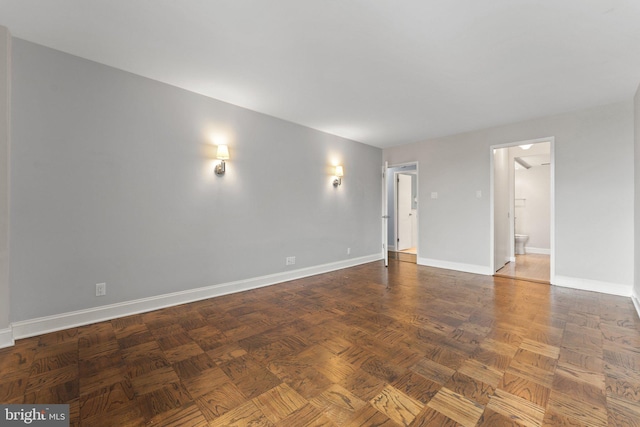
(102, 378)
(528, 390)
(622, 412)
(429, 417)
(63, 392)
(417, 387)
(456, 407)
(470, 388)
(574, 408)
(338, 404)
(206, 381)
(185, 415)
(404, 345)
(247, 414)
(433, 371)
(279, 402)
(106, 400)
(308, 416)
(194, 365)
(490, 418)
(170, 396)
(362, 384)
(481, 372)
(522, 411)
(396, 405)
(220, 400)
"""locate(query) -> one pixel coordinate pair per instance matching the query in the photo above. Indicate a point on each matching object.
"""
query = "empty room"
(320, 213)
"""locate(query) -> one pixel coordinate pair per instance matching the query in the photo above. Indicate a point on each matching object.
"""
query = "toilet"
(521, 239)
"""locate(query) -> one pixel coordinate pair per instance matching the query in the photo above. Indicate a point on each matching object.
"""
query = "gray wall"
(593, 182)
(5, 134)
(112, 181)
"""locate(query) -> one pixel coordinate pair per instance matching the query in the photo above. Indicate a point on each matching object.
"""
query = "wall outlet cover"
(101, 289)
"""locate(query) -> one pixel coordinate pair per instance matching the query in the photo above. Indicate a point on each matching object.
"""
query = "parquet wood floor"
(405, 345)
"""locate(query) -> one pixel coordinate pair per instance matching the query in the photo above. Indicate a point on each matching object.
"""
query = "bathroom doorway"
(402, 210)
(522, 208)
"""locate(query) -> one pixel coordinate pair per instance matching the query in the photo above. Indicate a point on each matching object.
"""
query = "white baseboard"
(593, 285)
(542, 251)
(6, 338)
(392, 248)
(448, 265)
(636, 303)
(511, 259)
(43, 325)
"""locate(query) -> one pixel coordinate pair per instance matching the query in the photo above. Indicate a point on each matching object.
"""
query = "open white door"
(403, 191)
(385, 215)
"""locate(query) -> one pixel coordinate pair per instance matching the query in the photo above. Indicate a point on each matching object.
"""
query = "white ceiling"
(382, 72)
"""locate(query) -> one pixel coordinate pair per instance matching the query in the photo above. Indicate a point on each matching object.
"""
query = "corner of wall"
(5, 147)
(635, 297)
(6, 337)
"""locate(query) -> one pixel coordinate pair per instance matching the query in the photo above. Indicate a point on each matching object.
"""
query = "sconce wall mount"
(222, 154)
(339, 173)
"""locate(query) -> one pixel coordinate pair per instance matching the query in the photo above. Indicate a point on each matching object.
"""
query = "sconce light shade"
(526, 146)
(339, 173)
(222, 154)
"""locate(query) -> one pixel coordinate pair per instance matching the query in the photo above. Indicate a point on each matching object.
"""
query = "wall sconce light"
(526, 146)
(223, 154)
(339, 174)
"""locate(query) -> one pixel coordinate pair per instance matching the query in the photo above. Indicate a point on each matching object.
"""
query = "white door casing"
(385, 215)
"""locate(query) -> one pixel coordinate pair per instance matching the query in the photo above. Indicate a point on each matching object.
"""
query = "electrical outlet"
(348, 251)
(290, 260)
(101, 289)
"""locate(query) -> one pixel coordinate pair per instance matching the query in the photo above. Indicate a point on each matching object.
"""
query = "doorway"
(402, 210)
(522, 210)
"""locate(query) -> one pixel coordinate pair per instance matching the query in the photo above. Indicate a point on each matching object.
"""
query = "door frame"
(385, 201)
(552, 204)
(385, 215)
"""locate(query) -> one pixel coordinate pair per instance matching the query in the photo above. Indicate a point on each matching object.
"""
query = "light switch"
(478, 194)
(434, 195)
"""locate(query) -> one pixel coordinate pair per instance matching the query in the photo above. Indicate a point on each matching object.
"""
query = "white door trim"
(385, 215)
(552, 204)
(395, 201)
